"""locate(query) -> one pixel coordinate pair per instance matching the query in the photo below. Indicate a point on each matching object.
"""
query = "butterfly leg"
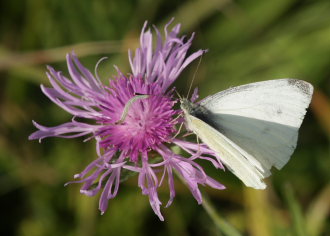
(187, 134)
(199, 149)
(180, 127)
(177, 133)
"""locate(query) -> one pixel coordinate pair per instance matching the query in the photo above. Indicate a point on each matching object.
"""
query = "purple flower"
(133, 121)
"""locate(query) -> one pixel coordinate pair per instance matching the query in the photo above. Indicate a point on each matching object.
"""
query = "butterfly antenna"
(192, 81)
(177, 93)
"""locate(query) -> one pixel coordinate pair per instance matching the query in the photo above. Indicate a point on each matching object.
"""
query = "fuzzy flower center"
(135, 123)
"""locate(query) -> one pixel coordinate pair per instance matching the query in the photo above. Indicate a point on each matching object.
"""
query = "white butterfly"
(252, 127)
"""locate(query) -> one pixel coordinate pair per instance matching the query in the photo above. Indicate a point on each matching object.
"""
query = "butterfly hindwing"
(236, 159)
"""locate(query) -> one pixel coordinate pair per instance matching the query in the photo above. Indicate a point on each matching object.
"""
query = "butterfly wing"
(262, 119)
(231, 155)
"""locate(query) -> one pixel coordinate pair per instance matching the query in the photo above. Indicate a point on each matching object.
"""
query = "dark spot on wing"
(279, 111)
(265, 130)
(301, 85)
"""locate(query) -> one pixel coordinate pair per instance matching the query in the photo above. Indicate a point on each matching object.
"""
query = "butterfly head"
(186, 105)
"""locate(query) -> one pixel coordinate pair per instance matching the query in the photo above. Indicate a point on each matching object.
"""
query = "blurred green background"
(248, 41)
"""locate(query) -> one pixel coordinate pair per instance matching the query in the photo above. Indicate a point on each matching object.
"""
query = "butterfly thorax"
(191, 109)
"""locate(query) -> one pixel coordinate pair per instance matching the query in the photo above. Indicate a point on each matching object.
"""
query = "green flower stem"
(221, 224)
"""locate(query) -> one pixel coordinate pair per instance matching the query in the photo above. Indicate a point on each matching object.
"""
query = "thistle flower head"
(132, 119)
(144, 123)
